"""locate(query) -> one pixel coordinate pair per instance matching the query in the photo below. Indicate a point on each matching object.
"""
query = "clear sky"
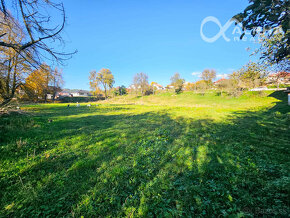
(157, 37)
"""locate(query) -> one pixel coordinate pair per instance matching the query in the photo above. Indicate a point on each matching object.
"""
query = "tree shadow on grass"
(281, 105)
(152, 165)
(97, 147)
(63, 110)
(15, 127)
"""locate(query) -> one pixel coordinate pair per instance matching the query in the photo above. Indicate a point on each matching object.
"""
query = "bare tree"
(208, 76)
(140, 81)
(13, 66)
(27, 36)
(56, 82)
(34, 17)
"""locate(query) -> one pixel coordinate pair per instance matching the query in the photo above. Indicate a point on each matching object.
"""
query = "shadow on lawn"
(282, 105)
(152, 165)
(62, 110)
(43, 135)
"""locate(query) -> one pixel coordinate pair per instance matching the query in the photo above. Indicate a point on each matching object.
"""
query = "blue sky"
(158, 38)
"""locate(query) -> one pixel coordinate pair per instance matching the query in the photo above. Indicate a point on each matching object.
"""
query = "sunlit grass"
(206, 156)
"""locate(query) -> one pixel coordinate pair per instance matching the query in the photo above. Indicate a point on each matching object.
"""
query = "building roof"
(75, 91)
(280, 74)
(218, 81)
(158, 85)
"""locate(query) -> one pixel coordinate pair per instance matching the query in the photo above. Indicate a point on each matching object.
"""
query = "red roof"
(280, 74)
(218, 81)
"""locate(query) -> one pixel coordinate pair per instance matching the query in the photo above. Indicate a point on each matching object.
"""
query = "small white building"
(73, 93)
(80, 93)
(157, 86)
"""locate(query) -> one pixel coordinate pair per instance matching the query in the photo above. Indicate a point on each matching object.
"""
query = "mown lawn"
(206, 156)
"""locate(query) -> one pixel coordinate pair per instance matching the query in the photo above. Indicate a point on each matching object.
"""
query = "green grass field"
(156, 156)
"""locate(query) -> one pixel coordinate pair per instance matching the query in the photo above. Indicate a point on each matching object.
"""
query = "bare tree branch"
(36, 20)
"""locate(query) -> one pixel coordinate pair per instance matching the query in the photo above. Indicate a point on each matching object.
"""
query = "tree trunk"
(105, 93)
(9, 92)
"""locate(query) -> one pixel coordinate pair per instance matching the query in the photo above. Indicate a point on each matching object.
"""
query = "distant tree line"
(252, 75)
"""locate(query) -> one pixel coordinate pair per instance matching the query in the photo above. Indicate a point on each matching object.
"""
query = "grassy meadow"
(188, 155)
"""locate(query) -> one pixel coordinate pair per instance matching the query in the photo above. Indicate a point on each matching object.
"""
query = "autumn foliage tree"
(201, 86)
(189, 86)
(94, 85)
(103, 78)
(37, 83)
(208, 76)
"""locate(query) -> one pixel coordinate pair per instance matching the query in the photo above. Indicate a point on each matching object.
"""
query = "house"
(80, 93)
(132, 87)
(278, 78)
(157, 86)
(73, 93)
(168, 87)
(216, 83)
(63, 94)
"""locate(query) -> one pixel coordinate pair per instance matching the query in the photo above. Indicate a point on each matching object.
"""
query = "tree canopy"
(177, 82)
(140, 81)
(104, 77)
(267, 15)
(251, 75)
(208, 75)
(269, 46)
